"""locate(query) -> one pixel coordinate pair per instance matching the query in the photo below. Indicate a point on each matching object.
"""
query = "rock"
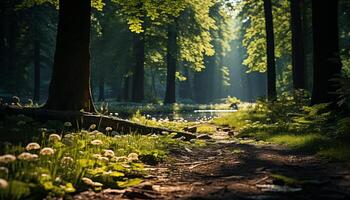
(204, 137)
(191, 129)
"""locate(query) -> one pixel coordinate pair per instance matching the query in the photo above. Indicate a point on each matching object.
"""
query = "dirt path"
(232, 169)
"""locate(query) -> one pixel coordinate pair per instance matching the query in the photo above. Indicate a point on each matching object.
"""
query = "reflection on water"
(196, 115)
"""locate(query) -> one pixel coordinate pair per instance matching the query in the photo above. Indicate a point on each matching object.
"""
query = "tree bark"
(101, 86)
(139, 68)
(84, 120)
(70, 82)
(270, 51)
(126, 89)
(170, 93)
(327, 63)
(298, 54)
(36, 70)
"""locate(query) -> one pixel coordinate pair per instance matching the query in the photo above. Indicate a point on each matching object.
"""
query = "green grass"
(67, 162)
(307, 131)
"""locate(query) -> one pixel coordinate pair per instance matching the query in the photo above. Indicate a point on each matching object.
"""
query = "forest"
(174, 99)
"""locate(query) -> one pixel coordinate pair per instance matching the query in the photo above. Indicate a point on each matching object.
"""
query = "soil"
(228, 168)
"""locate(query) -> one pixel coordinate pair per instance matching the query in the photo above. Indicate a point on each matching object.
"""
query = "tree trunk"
(170, 93)
(70, 82)
(126, 89)
(101, 86)
(139, 68)
(185, 86)
(298, 55)
(327, 64)
(12, 60)
(36, 70)
(270, 51)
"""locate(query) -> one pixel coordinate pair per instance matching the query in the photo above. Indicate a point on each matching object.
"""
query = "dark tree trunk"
(185, 86)
(12, 60)
(298, 55)
(270, 51)
(170, 93)
(139, 68)
(101, 86)
(126, 88)
(327, 64)
(37, 70)
(70, 82)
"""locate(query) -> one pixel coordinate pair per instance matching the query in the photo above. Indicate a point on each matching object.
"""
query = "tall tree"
(170, 93)
(270, 51)
(327, 63)
(298, 54)
(70, 83)
(37, 66)
(139, 68)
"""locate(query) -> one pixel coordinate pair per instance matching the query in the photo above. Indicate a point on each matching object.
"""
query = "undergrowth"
(292, 122)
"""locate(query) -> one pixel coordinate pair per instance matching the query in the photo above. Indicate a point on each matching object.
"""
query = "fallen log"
(84, 120)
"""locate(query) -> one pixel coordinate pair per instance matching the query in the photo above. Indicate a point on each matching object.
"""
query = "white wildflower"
(4, 171)
(27, 156)
(133, 157)
(54, 138)
(8, 158)
(32, 146)
(108, 153)
(96, 142)
(67, 124)
(3, 184)
(67, 160)
(98, 184)
(87, 181)
(92, 127)
(47, 151)
(108, 129)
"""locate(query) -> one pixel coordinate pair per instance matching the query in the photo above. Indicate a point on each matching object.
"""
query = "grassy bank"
(291, 122)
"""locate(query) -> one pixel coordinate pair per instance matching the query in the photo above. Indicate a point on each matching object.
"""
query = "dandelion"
(108, 153)
(8, 158)
(27, 156)
(3, 184)
(92, 127)
(32, 146)
(109, 129)
(133, 157)
(47, 151)
(4, 171)
(67, 160)
(114, 133)
(90, 182)
(87, 181)
(98, 184)
(54, 138)
(96, 142)
(67, 124)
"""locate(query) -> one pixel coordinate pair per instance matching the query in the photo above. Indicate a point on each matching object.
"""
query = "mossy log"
(85, 119)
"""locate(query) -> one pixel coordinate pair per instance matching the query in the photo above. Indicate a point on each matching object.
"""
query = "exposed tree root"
(85, 119)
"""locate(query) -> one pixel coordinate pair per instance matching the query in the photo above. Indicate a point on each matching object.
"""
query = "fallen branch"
(85, 119)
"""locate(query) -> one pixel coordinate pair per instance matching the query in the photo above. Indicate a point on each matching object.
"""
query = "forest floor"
(232, 168)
